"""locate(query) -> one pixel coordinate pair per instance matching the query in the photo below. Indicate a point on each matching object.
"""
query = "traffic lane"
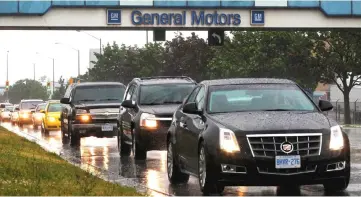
(103, 153)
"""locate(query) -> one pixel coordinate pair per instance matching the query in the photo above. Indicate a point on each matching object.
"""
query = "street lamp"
(100, 40)
(53, 71)
(59, 43)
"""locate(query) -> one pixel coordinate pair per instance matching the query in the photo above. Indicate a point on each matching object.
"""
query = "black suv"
(91, 109)
(250, 132)
(146, 113)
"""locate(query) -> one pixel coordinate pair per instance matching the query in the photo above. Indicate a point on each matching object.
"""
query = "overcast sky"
(23, 45)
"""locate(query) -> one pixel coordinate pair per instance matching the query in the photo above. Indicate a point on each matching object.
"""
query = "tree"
(27, 89)
(187, 56)
(339, 61)
(266, 54)
(59, 93)
(43, 79)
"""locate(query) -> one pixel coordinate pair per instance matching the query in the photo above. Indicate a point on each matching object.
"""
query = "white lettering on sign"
(258, 17)
(114, 16)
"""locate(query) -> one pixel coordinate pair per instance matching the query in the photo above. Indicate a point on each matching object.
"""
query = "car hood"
(97, 105)
(255, 122)
(54, 114)
(160, 110)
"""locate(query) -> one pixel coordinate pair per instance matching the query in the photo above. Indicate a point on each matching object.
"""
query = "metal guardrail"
(338, 112)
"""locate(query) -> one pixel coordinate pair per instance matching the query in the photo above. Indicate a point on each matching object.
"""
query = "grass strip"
(28, 170)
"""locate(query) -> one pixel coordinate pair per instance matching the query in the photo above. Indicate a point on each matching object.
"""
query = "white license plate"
(107, 127)
(289, 161)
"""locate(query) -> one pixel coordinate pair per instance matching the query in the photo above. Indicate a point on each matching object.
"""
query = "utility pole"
(53, 76)
(146, 36)
(78, 63)
(100, 47)
(34, 71)
(7, 74)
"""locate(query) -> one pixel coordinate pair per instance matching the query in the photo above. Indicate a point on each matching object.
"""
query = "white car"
(5, 114)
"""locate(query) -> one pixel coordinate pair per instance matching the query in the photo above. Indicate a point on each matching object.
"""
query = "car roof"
(235, 81)
(164, 80)
(31, 100)
(98, 83)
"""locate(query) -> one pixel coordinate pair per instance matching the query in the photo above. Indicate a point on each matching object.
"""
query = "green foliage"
(59, 93)
(27, 89)
(28, 170)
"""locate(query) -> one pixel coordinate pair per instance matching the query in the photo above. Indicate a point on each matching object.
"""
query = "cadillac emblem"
(287, 147)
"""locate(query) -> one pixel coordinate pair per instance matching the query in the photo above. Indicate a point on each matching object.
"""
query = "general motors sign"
(114, 17)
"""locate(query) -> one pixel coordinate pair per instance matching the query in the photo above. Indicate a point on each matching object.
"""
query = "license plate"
(289, 161)
(107, 127)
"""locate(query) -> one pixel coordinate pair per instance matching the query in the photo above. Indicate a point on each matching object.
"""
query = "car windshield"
(258, 97)
(103, 93)
(164, 93)
(54, 107)
(30, 104)
(40, 107)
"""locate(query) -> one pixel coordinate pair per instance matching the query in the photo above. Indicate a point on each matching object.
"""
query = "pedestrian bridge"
(179, 14)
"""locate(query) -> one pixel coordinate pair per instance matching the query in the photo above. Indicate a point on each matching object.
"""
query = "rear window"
(54, 107)
(30, 104)
(99, 93)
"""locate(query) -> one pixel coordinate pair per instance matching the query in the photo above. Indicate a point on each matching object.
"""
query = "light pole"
(34, 70)
(59, 43)
(53, 71)
(7, 73)
(100, 40)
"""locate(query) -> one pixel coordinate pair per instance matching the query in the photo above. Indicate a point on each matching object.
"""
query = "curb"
(351, 126)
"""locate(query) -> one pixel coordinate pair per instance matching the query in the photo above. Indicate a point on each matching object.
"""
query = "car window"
(54, 107)
(40, 107)
(67, 92)
(128, 96)
(192, 96)
(134, 94)
(96, 93)
(27, 105)
(200, 98)
(258, 97)
(164, 93)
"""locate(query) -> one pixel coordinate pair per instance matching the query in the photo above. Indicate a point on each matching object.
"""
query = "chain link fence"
(338, 111)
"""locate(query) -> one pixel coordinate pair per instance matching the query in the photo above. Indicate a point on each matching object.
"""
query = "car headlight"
(336, 141)
(81, 111)
(51, 119)
(148, 121)
(228, 141)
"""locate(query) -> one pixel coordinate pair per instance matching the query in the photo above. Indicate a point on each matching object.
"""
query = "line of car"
(227, 132)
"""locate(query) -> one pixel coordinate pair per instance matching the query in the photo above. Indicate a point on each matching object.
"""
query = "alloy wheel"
(202, 167)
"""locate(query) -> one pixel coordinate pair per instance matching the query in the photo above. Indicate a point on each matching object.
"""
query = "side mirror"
(128, 104)
(325, 105)
(42, 111)
(191, 108)
(65, 101)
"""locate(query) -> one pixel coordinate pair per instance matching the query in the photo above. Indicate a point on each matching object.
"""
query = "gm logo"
(114, 17)
(257, 17)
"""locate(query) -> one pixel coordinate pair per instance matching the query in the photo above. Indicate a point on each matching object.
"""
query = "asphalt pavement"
(102, 155)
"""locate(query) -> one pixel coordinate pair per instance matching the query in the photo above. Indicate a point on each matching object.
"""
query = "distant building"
(92, 57)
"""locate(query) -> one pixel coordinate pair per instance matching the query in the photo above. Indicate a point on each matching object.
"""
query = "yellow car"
(51, 117)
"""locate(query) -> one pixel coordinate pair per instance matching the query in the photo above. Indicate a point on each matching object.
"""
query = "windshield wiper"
(154, 103)
(85, 100)
(109, 99)
(279, 110)
(172, 102)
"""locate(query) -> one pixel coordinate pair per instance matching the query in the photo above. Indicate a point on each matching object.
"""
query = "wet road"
(152, 173)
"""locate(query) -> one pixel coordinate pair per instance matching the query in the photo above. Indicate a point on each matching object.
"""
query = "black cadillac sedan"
(256, 132)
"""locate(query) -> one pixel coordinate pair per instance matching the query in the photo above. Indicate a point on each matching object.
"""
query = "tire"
(139, 152)
(124, 149)
(208, 184)
(74, 136)
(175, 176)
(64, 139)
(21, 125)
